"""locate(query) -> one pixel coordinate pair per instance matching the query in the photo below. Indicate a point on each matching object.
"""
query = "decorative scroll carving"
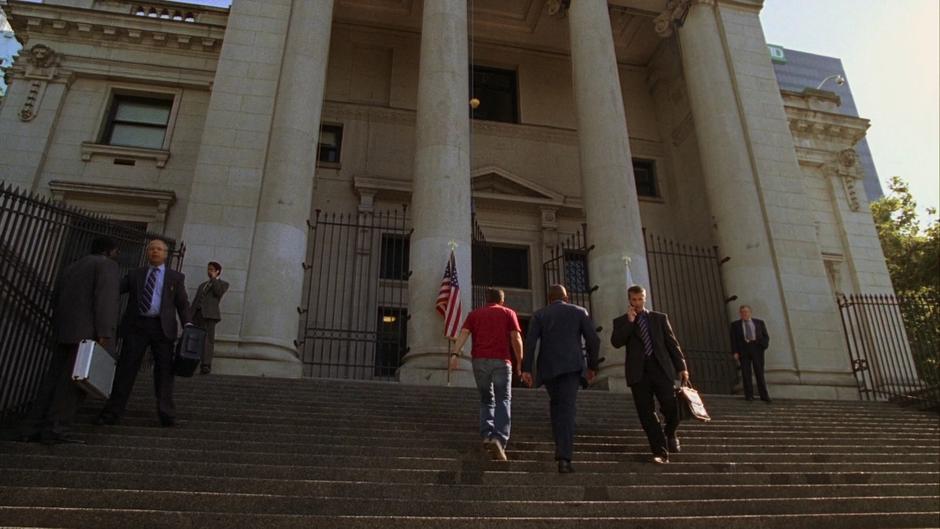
(558, 7)
(674, 16)
(847, 167)
(41, 67)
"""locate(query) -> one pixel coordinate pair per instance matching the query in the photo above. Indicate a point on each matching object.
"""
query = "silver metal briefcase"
(94, 369)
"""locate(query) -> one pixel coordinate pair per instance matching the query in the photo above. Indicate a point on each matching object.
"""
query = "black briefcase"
(189, 350)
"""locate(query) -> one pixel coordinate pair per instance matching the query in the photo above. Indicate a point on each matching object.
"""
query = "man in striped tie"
(653, 364)
(156, 297)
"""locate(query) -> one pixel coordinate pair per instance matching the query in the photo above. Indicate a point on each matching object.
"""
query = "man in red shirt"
(495, 329)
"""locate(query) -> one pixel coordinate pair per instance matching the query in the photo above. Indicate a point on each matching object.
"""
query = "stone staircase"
(254, 452)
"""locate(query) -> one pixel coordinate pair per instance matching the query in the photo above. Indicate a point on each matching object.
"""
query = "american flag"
(448, 299)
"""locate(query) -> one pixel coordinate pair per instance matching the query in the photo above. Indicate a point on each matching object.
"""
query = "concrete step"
(252, 452)
(153, 519)
(406, 491)
(330, 506)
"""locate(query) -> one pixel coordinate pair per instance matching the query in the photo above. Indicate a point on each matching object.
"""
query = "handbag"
(189, 350)
(690, 404)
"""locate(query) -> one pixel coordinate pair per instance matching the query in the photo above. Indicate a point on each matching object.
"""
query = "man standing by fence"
(86, 304)
(157, 295)
(495, 329)
(205, 310)
(749, 340)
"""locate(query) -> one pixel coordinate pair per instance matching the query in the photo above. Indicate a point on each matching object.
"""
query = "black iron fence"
(355, 307)
(893, 344)
(685, 283)
(38, 238)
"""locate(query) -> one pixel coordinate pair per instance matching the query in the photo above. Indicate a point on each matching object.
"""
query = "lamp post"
(836, 77)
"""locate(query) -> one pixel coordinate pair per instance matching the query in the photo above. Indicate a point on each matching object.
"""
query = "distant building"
(8, 49)
(797, 70)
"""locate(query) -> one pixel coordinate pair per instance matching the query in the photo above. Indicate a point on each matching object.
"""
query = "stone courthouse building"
(326, 152)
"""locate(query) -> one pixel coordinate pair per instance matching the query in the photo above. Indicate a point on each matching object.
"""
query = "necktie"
(749, 330)
(643, 324)
(146, 299)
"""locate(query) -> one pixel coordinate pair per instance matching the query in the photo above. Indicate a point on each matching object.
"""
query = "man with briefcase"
(156, 297)
(86, 304)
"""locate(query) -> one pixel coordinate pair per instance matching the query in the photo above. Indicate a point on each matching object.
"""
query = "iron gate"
(568, 265)
(685, 283)
(355, 307)
(894, 346)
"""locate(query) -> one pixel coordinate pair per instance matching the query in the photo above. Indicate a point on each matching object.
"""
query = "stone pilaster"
(440, 202)
(607, 181)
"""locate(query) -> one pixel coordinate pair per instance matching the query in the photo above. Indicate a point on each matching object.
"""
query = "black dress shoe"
(749, 399)
(674, 447)
(660, 460)
(767, 401)
(564, 467)
(105, 419)
(59, 439)
(167, 422)
(205, 369)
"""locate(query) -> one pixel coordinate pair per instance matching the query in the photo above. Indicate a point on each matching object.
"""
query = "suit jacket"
(207, 299)
(666, 348)
(738, 345)
(174, 301)
(86, 300)
(558, 330)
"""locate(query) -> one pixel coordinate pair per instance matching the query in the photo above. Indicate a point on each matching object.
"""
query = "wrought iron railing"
(893, 345)
(38, 238)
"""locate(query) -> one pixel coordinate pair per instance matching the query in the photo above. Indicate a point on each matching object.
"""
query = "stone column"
(279, 246)
(608, 187)
(440, 202)
(730, 179)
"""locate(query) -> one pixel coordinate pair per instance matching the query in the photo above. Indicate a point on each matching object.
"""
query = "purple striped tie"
(147, 298)
(643, 323)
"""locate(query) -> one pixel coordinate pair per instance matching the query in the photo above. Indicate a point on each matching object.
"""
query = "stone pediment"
(493, 182)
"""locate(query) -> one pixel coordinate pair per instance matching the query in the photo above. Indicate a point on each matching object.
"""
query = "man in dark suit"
(561, 331)
(86, 304)
(749, 340)
(156, 296)
(205, 310)
(653, 363)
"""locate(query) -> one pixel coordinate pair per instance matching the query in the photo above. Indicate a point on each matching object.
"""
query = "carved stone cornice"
(119, 22)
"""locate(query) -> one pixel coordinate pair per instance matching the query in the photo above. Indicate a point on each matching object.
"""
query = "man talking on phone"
(653, 363)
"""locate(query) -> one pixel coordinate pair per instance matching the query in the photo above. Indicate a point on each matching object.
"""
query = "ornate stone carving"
(558, 7)
(674, 16)
(41, 67)
(847, 168)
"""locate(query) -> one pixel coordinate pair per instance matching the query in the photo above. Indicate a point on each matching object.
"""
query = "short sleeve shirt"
(489, 328)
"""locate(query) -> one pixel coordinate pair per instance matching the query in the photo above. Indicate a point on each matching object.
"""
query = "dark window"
(135, 121)
(645, 173)
(331, 143)
(496, 90)
(501, 266)
(394, 263)
(390, 341)
(576, 271)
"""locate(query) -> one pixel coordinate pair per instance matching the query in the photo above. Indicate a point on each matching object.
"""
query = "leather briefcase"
(189, 349)
(691, 405)
(94, 369)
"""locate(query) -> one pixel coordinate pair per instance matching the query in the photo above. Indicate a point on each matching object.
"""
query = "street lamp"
(836, 77)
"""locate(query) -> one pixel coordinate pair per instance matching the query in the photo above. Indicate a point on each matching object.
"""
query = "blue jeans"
(494, 381)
